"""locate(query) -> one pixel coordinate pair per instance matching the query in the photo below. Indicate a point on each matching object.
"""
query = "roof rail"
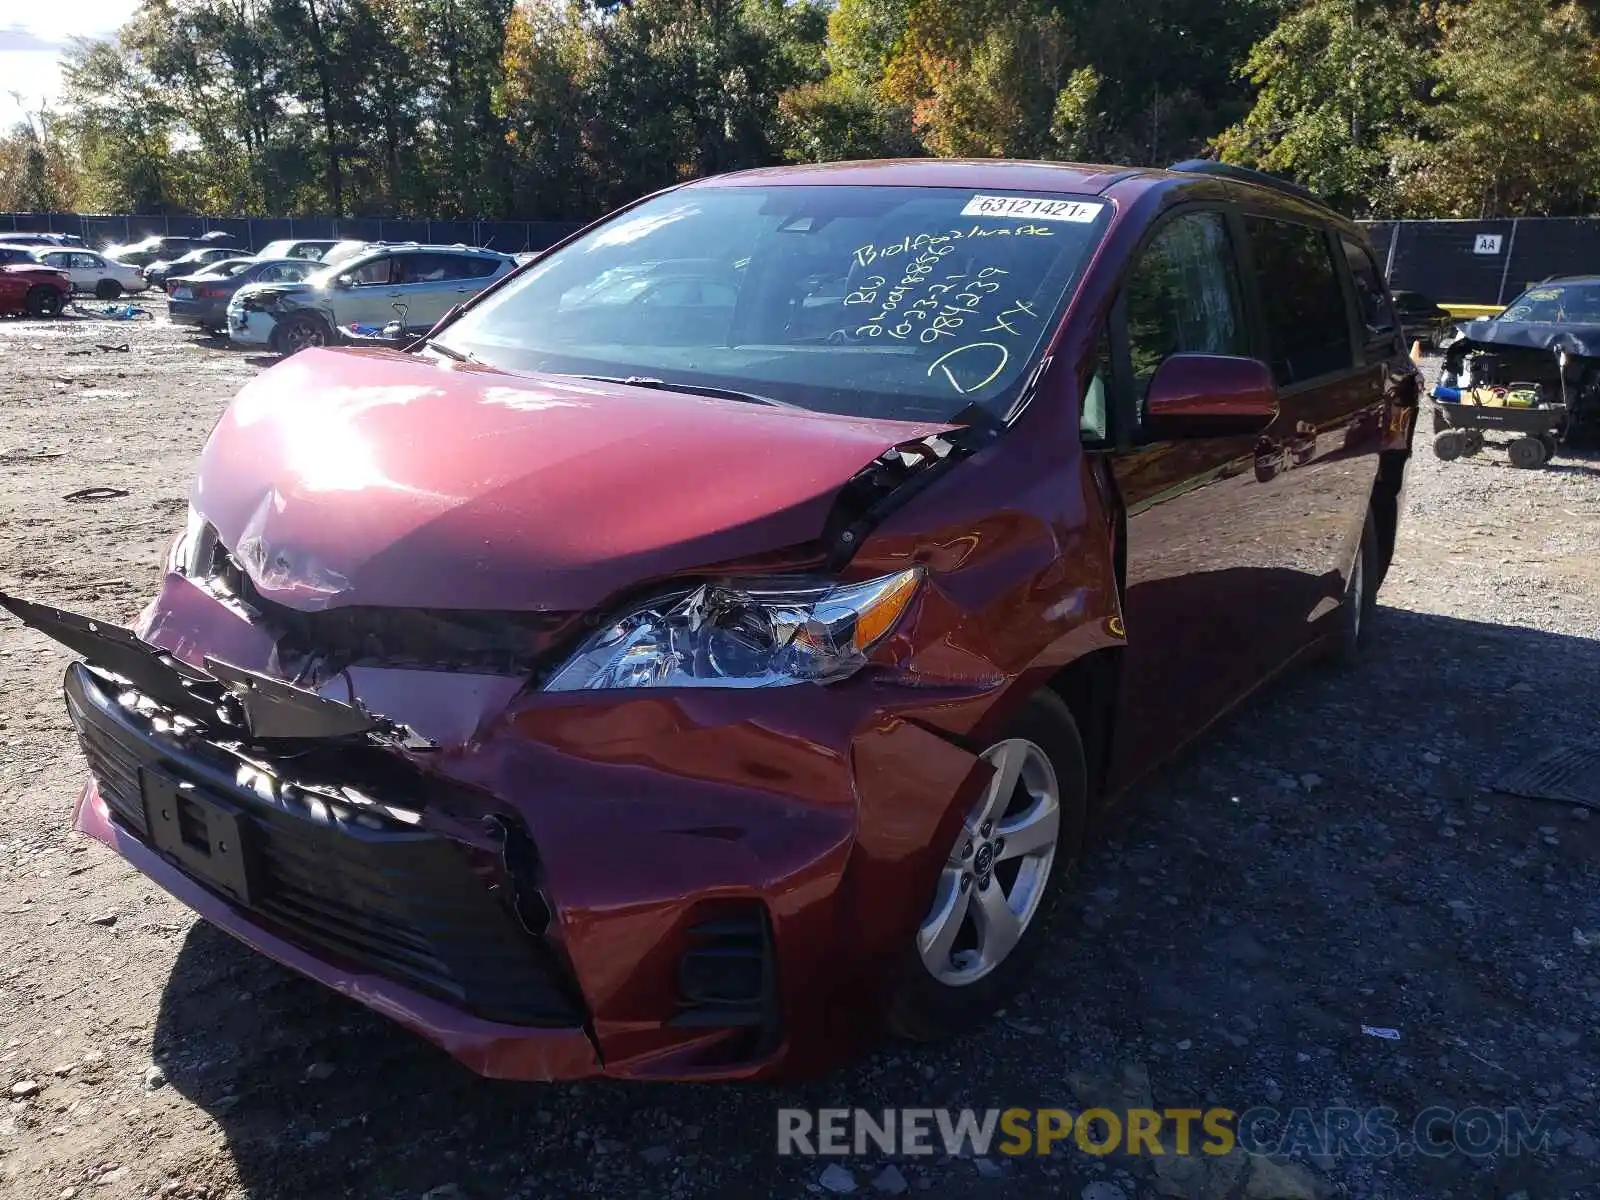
(1206, 166)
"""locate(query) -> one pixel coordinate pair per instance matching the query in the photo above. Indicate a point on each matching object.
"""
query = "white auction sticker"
(1076, 211)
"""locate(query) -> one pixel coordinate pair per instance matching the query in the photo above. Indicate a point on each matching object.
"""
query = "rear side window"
(1183, 297)
(434, 268)
(1308, 326)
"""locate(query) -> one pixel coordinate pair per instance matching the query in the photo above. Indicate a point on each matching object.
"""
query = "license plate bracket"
(205, 835)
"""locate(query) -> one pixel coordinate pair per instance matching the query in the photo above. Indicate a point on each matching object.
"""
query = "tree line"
(563, 109)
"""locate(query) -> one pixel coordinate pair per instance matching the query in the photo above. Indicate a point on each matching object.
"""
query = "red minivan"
(707, 648)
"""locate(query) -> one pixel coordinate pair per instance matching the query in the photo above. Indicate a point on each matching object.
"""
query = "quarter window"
(1183, 297)
(1094, 423)
(1308, 326)
(1372, 299)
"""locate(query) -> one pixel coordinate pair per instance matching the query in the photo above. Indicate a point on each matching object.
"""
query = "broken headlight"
(743, 635)
(192, 553)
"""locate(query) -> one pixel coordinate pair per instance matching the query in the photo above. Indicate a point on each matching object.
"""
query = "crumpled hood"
(371, 477)
(271, 293)
(1582, 339)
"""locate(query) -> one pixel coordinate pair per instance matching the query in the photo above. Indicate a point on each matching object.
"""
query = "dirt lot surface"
(1332, 859)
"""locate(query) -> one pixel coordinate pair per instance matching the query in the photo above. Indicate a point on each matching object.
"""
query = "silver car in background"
(412, 283)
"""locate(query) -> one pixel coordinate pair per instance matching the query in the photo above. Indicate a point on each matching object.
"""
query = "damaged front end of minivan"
(568, 825)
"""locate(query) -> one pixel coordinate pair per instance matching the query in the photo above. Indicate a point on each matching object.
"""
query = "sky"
(33, 35)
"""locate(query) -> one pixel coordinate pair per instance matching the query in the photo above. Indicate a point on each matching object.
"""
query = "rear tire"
(107, 289)
(1043, 744)
(43, 301)
(1360, 600)
(1450, 445)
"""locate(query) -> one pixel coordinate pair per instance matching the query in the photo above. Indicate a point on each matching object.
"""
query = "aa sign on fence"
(1487, 243)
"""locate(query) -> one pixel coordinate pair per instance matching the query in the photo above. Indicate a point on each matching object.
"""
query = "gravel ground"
(1332, 858)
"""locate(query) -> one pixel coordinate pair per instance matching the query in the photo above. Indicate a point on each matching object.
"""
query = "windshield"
(1554, 303)
(909, 303)
(290, 249)
(342, 251)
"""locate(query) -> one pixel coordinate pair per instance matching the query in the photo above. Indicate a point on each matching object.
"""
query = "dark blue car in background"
(202, 298)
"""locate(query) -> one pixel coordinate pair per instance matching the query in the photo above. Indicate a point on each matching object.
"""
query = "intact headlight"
(752, 634)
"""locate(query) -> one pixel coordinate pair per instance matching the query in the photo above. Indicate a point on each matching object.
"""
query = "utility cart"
(1471, 401)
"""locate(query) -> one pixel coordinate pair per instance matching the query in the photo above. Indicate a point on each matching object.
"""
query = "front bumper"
(657, 886)
(250, 327)
(389, 917)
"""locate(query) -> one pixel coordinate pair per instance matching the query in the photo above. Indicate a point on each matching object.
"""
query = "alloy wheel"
(995, 876)
(1356, 596)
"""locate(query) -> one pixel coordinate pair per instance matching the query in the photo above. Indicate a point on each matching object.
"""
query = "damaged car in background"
(405, 282)
(1541, 352)
(697, 680)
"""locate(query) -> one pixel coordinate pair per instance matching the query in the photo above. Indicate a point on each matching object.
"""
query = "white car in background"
(413, 283)
(92, 272)
(313, 248)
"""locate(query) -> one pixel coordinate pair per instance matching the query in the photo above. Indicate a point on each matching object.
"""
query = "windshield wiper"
(693, 389)
(457, 355)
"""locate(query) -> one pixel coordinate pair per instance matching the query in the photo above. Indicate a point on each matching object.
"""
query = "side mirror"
(1209, 395)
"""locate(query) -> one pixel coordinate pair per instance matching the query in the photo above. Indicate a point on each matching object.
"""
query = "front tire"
(1004, 882)
(1527, 453)
(300, 333)
(43, 301)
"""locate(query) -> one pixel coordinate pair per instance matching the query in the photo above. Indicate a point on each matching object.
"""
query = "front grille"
(374, 894)
(116, 770)
(330, 639)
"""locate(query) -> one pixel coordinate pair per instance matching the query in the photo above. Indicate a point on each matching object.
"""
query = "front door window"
(1183, 297)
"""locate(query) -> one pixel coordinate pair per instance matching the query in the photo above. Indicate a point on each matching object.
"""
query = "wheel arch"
(1089, 686)
(1386, 492)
